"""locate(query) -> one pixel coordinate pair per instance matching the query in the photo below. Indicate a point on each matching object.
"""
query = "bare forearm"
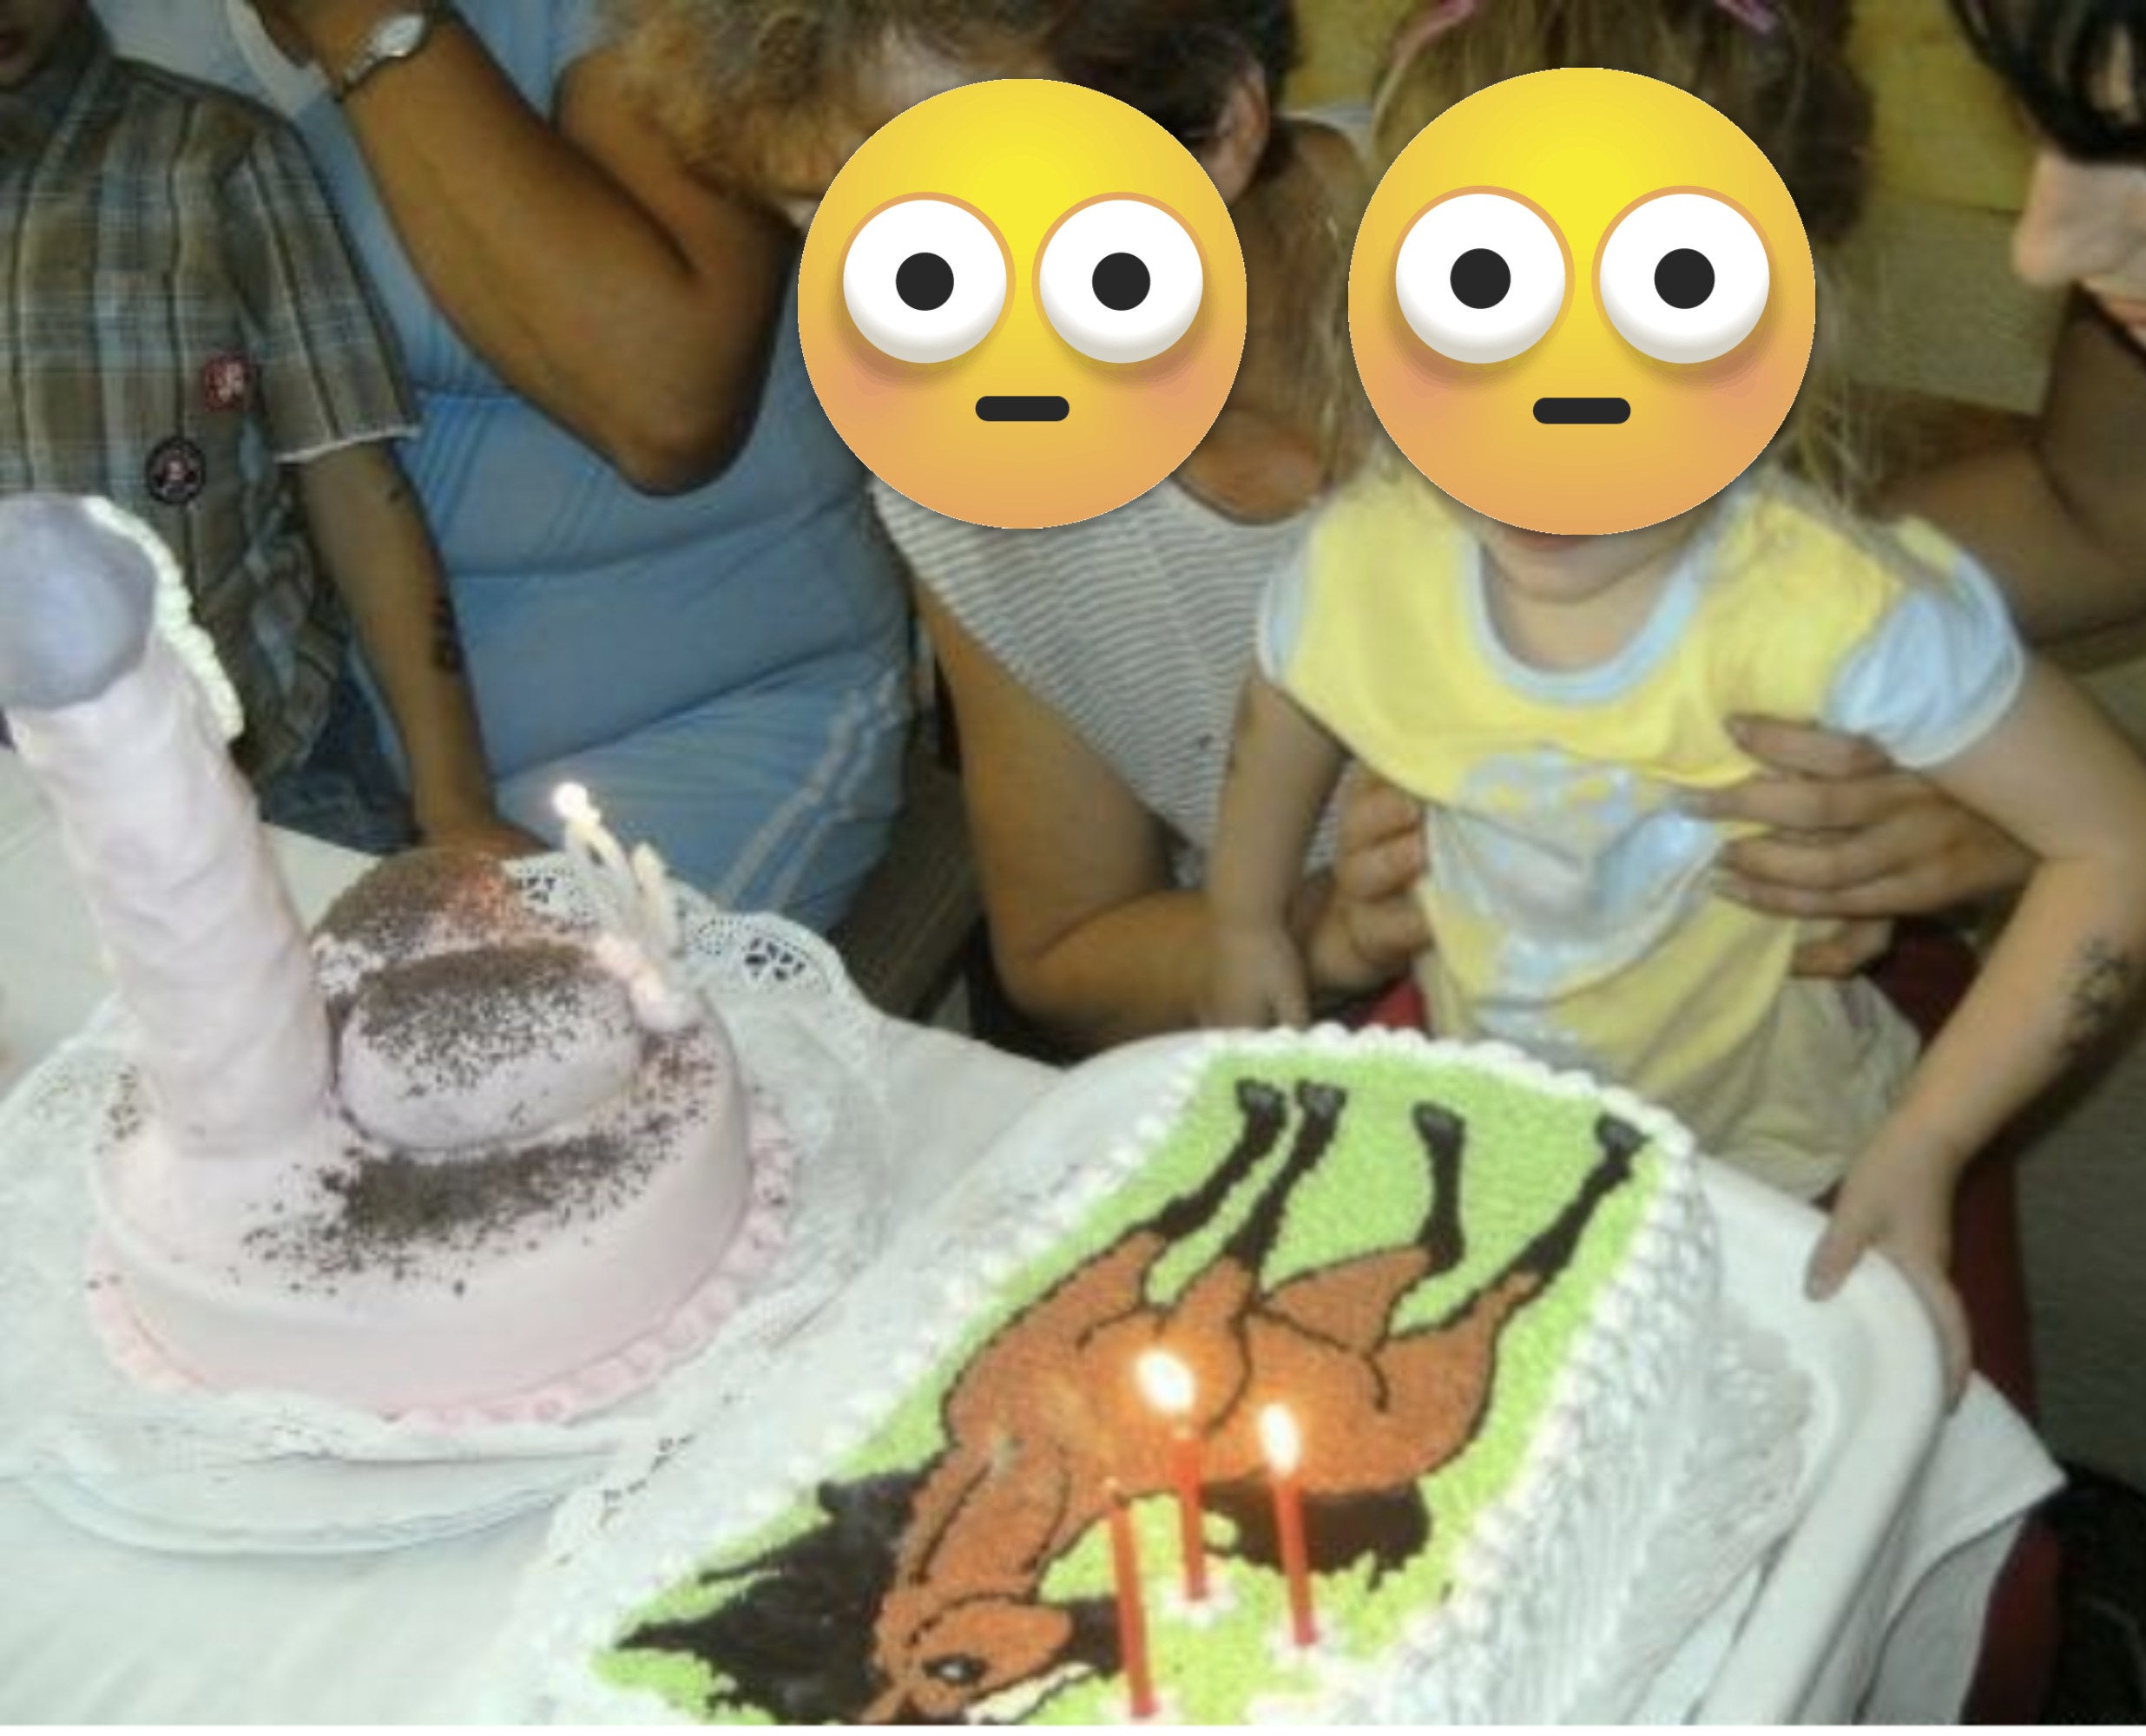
(1129, 970)
(1282, 769)
(2065, 965)
(2058, 516)
(1136, 969)
(594, 304)
(373, 538)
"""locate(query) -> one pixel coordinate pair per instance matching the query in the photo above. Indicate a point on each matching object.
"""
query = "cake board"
(1868, 1360)
(276, 1473)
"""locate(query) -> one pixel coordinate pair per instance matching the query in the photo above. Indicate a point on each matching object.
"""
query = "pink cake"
(454, 1157)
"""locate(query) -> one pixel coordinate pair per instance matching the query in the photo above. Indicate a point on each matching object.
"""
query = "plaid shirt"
(182, 316)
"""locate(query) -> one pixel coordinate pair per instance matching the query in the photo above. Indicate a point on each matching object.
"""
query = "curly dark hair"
(773, 95)
(2068, 60)
(748, 86)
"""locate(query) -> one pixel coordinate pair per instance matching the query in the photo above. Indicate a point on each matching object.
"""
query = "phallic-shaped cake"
(1484, 1296)
(453, 1158)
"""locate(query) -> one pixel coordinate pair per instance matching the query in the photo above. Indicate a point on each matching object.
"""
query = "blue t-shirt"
(591, 612)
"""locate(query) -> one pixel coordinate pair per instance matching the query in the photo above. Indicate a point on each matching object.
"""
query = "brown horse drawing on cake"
(1047, 1414)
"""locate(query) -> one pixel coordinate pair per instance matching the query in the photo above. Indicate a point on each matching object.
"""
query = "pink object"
(502, 1193)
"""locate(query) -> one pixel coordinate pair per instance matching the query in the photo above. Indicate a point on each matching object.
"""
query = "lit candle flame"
(570, 802)
(1166, 1382)
(1279, 1439)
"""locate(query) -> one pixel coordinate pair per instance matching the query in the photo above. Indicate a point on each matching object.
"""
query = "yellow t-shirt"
(1569, 893)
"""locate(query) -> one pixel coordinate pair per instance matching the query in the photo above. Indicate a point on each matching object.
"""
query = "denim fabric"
(343, 791)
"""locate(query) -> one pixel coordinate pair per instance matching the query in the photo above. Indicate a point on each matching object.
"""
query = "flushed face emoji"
(1022, 302)
(1582, 301)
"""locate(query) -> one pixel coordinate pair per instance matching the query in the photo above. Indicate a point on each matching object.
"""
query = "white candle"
(659, 905)
(599, 863)
(637, 910)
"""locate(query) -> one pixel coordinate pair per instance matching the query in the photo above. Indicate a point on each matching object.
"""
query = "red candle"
(1283, 1448)
(1132, 1614)
(1168, 1386)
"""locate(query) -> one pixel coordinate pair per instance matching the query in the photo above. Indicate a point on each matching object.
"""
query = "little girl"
(1558, 702)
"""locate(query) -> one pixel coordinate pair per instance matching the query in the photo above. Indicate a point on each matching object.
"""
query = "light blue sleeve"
(1282, 615)
(1937, 674)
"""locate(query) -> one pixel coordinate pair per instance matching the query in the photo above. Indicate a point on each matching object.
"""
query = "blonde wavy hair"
(1779, 68)
(771, 96)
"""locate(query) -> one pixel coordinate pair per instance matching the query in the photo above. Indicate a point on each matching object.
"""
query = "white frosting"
(632, 1205)
(261, 1235)
(1541, 1581)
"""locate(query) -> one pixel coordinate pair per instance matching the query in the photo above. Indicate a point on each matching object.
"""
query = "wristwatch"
(396, 36)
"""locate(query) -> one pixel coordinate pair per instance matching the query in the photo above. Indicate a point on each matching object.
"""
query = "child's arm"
(1282, 767)
(2055, 775)
(373, 539)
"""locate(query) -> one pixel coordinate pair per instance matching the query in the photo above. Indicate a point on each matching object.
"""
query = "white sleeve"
(1936, 674)
(1281, 614)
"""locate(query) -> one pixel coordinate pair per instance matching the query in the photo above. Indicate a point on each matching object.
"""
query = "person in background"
(1092, 667)
(189, 337)
(668, 580)
(2058, 515)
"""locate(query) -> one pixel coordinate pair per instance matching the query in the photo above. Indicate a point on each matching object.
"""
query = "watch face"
(400, 34)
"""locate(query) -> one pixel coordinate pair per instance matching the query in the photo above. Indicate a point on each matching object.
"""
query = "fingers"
(1910, 893)
(1807, 750)
(1368, 872)
(1935, 857)
(1838, 1248)
(1374, 814)
(1791, 804)
(1848, 1233)
(1845, 951)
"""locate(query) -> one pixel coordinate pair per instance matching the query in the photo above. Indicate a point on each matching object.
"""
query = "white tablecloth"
(92, 1631)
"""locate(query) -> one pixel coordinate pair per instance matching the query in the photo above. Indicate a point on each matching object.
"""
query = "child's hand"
(1902, 1205)
(1255, 978)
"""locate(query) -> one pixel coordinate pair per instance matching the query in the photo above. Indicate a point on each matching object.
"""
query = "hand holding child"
(1850, 834)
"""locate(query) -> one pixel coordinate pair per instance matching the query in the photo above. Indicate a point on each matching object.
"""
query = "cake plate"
(286, 1473)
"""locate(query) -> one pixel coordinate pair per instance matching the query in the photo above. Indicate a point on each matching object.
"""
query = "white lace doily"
(665, 1506)
(170, 1468)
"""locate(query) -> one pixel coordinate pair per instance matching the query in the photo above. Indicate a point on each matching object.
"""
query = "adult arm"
(2059, 519)
(630, 301)
(1282, 769)
(2057, 775)
(1091, 937)
(2059, 516)
(373, 539)
(1850, 835)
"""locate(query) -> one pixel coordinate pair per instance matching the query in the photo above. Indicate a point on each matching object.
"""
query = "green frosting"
(1527, 1152)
